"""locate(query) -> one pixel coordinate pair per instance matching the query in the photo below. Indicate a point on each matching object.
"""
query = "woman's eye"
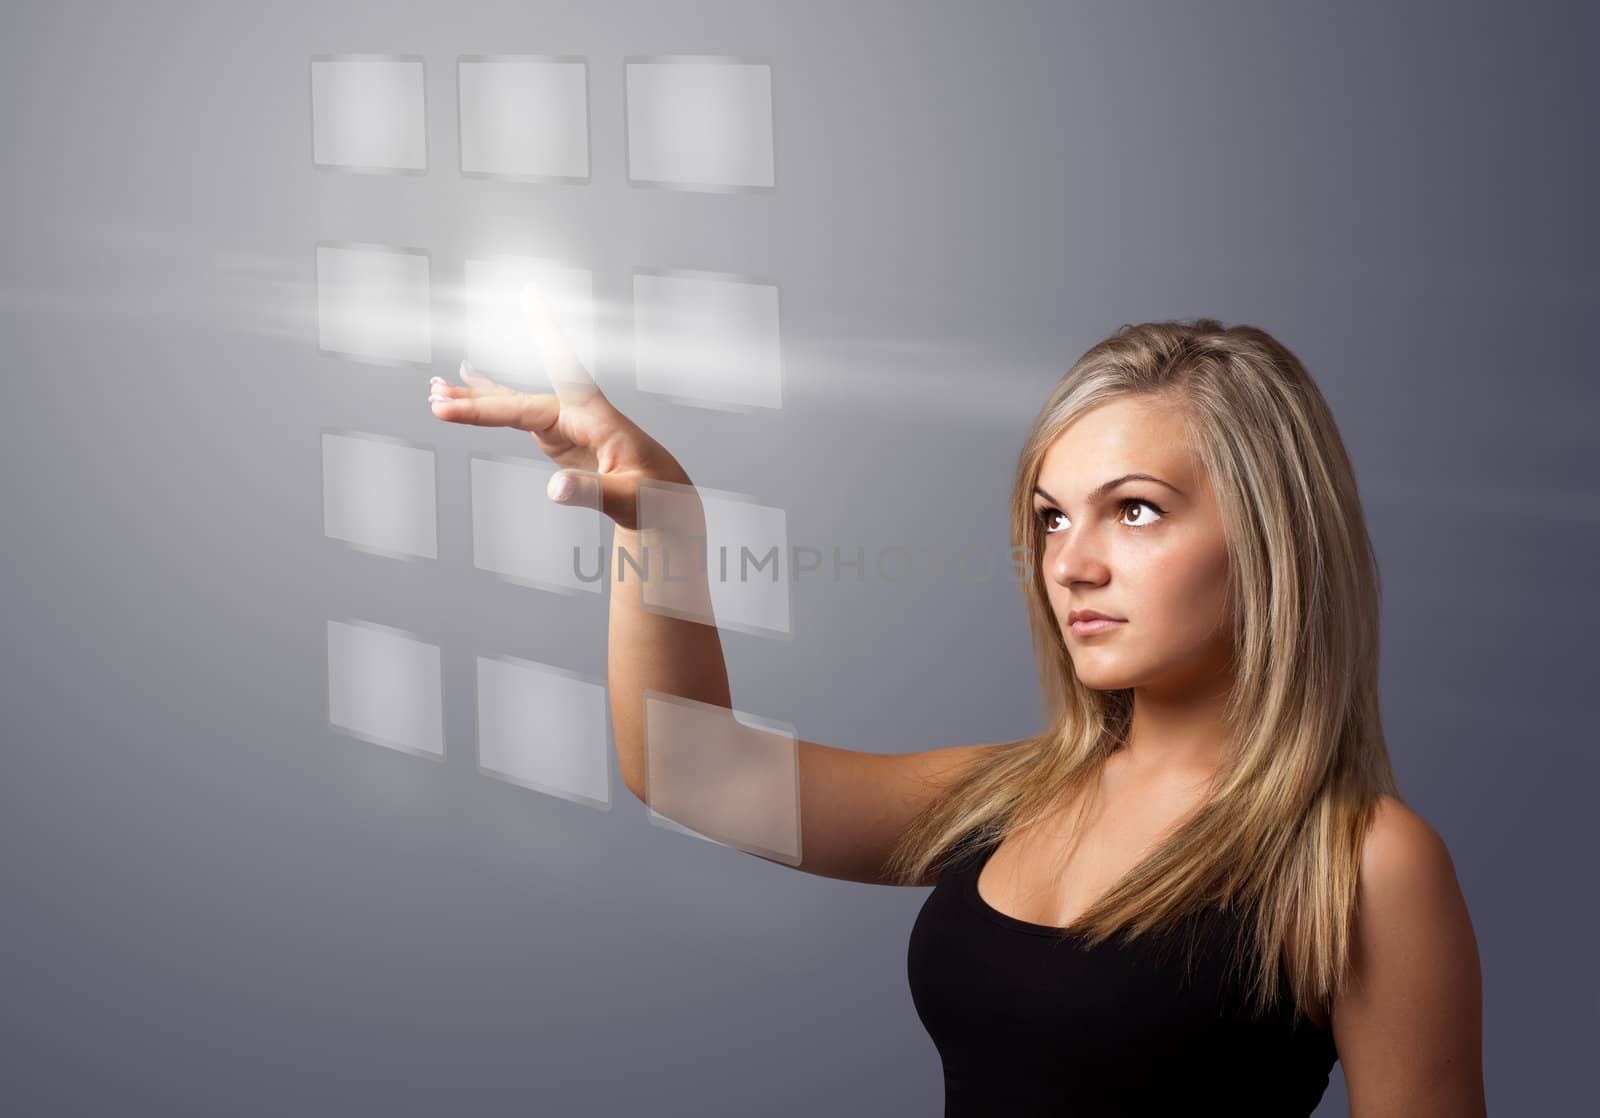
(1145, 520)
(1048, 515)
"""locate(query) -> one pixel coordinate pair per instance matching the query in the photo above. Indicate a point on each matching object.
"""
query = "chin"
(1102, 680)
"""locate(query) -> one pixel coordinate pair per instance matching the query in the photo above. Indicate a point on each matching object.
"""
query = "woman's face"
(1151, 554)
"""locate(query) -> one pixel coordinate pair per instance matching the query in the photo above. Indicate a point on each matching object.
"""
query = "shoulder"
(1408, 899)
(1408, 1023)
(1401, 849)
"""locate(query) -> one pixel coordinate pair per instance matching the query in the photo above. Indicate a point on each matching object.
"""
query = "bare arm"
(852, 806)
(651, 650)
(1410, 1027)
(846, 808)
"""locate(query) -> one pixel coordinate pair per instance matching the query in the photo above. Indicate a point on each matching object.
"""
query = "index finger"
(571, 380)
(528, 411)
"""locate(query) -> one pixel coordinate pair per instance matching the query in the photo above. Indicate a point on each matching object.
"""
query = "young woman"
(1198, 887)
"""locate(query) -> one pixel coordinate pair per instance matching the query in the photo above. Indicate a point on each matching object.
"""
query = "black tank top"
(1027, 1022)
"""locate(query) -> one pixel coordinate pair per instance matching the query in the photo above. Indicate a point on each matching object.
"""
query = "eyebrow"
(1101, 490)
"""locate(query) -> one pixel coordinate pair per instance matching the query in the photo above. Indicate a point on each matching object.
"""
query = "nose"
(1078, 559)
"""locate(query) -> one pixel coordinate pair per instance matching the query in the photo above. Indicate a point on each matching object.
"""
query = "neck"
(1177, 730)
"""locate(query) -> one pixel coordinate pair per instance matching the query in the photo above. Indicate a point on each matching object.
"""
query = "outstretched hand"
(603, 454)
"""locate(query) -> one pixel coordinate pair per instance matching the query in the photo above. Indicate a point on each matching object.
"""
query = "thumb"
(616, 495)
(470, 375)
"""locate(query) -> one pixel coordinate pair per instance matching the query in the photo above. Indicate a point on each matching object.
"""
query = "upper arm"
(853, 806)
(1409, 1026)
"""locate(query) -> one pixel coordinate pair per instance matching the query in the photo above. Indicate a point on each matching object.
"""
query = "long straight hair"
(1277, 839)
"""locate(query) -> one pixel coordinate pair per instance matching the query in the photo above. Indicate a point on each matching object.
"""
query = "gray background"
(216, 903)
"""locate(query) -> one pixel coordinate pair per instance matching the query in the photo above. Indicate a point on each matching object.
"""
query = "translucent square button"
(501, 340)
(700, 122)
(384, 687)
(727, 562)
(523, 536)
(707, 339)
(544, 727)
(373, 303)
(524, 117)
(379, 494)
(724, 776)
(368, 113)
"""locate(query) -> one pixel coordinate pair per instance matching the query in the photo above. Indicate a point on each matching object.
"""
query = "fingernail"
(436, 380)
(561, 487)
(465, 370)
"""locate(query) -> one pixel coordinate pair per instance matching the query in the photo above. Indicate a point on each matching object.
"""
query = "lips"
(1077, 615)
(1088, 622)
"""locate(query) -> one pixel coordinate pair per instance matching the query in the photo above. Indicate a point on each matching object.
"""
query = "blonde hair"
(1279, 834)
